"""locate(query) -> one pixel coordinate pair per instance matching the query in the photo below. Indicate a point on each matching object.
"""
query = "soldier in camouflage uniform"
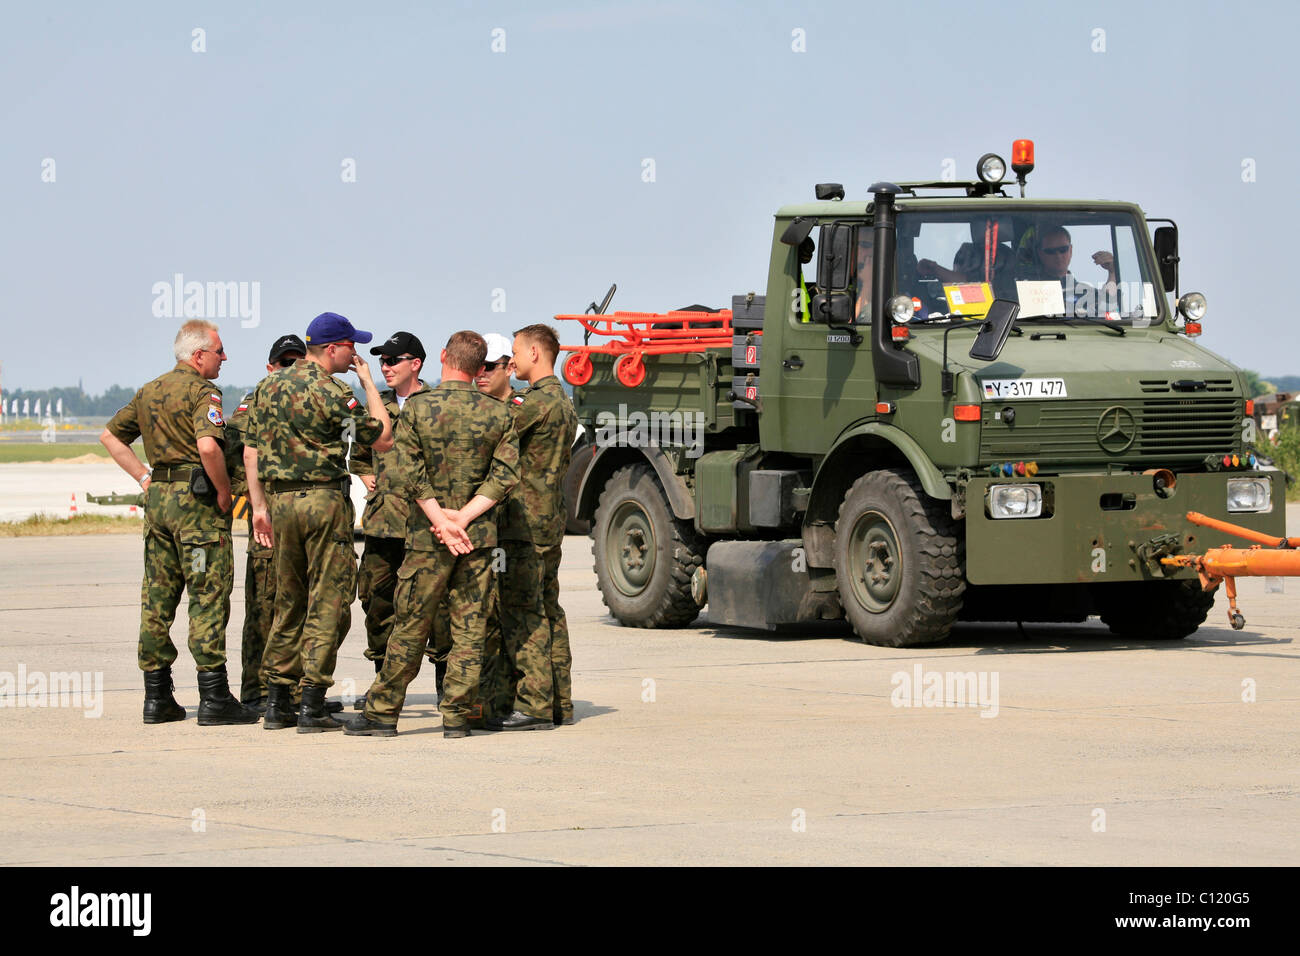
(300, 422)
(533, 623)
(496, 691)
(455, 447)
(384, 520)
(259, 575)
(186, 525)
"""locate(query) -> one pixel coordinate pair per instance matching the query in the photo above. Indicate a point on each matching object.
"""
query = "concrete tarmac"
(695, 746)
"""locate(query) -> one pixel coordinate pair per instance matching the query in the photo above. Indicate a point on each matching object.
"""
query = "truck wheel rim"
(631, 545)
(874, 562)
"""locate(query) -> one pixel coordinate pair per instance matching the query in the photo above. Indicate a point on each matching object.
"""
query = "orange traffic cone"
(72, 509)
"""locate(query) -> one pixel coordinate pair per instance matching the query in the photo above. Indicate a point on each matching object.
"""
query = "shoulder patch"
(517, 399)
(214, 398)
(352, 402)
(214, 416)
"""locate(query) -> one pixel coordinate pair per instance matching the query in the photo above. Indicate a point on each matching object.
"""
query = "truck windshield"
(1054, 262)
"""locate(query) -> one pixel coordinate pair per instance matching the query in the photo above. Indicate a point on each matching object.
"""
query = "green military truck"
(966, 405)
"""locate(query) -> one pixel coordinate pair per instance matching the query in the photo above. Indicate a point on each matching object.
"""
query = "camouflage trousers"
(423, 580)
(377, 587)
(495, 688)
(187, 547)
(561, 656)
(315, 585)
(535, 631)
(259, 613)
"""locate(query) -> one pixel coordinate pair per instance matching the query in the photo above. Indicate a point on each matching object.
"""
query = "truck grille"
(1162, 429)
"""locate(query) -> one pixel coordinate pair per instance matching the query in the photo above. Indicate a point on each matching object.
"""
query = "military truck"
(849, 453)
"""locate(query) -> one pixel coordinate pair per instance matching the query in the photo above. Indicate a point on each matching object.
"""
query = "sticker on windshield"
(971, 299)
(1040, 298)
(1001, 389)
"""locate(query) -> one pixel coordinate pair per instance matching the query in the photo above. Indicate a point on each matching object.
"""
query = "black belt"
(174, 472)
(275, 486)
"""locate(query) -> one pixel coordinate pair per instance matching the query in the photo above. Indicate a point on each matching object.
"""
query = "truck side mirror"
(834, 308)
(993, 333)
(1166, 242)
(836, 248)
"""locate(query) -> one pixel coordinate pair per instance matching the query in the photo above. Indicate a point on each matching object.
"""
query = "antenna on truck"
(599, 309)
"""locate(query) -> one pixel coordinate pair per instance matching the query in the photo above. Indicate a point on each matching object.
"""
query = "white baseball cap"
(498, 347)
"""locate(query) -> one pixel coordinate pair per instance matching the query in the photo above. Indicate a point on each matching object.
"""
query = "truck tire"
(570, 486)
(899, 563)
(1155, 610)
(645, 557)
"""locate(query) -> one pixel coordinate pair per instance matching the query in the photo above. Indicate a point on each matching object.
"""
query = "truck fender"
(609, 458)
(859, 449)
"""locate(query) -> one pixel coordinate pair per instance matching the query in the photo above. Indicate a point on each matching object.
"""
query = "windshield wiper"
(1075, 320)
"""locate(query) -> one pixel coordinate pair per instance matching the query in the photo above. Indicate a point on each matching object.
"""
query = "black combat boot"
(217, 708)
(312, 718)
(360, 702)
(279, 708)
(160, 706)
(363, 726)
(518, 720)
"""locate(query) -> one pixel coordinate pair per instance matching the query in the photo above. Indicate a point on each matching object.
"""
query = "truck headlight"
(1015, 501)
(1249, 494)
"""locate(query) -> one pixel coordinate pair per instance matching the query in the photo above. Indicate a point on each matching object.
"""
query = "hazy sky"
(524, 170)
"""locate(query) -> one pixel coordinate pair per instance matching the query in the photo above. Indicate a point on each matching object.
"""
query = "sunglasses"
(220, 351)
(394, 359)
(1055, 250)
(493, 366)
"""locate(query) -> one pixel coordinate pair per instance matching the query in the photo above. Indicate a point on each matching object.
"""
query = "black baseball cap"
(284, 345)
(400, 343)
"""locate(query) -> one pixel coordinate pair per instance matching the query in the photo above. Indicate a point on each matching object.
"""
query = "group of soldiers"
(463, 525)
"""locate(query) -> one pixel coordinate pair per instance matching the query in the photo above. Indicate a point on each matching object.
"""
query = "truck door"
(821, 379)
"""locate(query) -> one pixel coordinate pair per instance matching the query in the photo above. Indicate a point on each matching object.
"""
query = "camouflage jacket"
(547, 425)
(235, 446)
(452, 443)
(235, 466)
(386, 511)
(300, 420)
(172, 413)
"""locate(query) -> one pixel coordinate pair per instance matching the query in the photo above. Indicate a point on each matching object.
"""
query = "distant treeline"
(77, 404)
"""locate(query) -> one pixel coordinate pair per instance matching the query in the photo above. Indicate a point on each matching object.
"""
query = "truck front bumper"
(1103, 527)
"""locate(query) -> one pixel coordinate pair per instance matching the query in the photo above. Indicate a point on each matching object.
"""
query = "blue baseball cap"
(331, 327)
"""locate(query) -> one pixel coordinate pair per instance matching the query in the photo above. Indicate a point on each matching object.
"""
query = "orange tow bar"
(1226, 564)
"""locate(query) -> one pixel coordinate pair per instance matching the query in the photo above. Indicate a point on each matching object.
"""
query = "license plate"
(1000, 389)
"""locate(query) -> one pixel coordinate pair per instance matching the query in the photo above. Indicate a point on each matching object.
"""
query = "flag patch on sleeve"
(215, 398)
(517, 399)
(352, 403)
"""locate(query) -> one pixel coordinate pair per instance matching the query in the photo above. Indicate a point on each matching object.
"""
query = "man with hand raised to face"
(301, 421)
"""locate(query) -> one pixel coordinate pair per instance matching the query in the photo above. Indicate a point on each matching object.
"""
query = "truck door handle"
(793, 363)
